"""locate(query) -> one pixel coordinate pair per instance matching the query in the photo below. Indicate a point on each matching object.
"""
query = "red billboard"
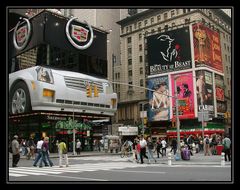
(219, 86)
(207, 47)
(185, 95)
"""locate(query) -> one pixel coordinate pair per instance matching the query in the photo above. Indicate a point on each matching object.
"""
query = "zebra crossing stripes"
(76, 168)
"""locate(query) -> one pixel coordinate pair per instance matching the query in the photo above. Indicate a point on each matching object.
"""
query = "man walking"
(227, 148)
(15, 151)
(206, 146)
(40, 154)
(164, 147)
(143, 145)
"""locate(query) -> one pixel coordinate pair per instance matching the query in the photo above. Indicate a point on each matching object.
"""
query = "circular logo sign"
(80, 37)
(21, 35)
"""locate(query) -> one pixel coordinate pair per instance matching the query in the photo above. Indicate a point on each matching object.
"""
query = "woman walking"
(63, 151)
(150, 148)
(45, 152)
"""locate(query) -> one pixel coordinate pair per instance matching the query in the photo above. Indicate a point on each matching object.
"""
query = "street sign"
(203, 115)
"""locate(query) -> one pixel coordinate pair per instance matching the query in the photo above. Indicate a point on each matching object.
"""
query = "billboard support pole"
(177, 117)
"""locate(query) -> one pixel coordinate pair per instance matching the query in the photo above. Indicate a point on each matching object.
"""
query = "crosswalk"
(76, 168)
(103, 158)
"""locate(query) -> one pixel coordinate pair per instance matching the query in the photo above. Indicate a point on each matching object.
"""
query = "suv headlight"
(44, 75)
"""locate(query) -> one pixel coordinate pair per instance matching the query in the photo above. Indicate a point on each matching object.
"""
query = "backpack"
(207, 141)
(64, 151)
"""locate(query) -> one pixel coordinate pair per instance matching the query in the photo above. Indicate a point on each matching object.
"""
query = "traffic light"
(95, 91)
(89, 90)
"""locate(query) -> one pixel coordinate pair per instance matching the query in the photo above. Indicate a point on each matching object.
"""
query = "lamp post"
(74, 153)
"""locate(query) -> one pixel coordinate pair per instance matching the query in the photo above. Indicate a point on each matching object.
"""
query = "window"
(140, 36)
(119, 78)
(115, 75)
(184, 10)
(127, 29)
(141, 70)
(227, 37)
(140, 47)
(129, 40)
(177, 11)
(159, 29)
(229, 59)
(152, 20)
(158, 18)
(228, 48)
(227, 69)
(130, 28)
(141, 82)
(135, 25)
(210, 14)
(172, 13)
(166, 27)
(224, 35)
(130, 87)
(122, 30)
(140, 59)
(225, 57)
(224, 46)
(165, 16)
(173, 24)
(129, 61)
(187, 20)
(130, 73)
(139, 24)
(145, 22)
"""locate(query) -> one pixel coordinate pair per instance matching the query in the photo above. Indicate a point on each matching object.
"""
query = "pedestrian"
(159, 146)
(174, 146)
(143, 145)
(200, 144)
(63, 152)
(227, 147)
(45, 152)
(138, 150)
(150, 147)
(206, 144)
(31, 148)
(24, 147)
(40, 154)
(164, 147)
(189, 144)
(15, 151)
(78, 146)
(134, 146)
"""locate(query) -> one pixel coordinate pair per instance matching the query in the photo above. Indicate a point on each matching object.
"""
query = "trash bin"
(219, 149)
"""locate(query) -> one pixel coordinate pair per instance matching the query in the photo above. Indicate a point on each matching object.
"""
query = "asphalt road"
(114, 168)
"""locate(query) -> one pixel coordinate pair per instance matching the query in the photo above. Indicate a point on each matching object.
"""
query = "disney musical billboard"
(207, 47)
(219, 88)
(185, 94)
(169, 51)
(159, 102)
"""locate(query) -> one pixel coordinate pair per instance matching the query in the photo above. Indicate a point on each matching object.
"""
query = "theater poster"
(185, 94)
(207, 47)
(219, 89)
(204, 90)
(159, 101)
(169, 51)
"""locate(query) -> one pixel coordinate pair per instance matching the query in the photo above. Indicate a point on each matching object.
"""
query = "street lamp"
(142, 115)
(74, 153)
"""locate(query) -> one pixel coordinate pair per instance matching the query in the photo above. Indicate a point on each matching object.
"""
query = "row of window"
(227, 47)
(158, 18)
(227, 58)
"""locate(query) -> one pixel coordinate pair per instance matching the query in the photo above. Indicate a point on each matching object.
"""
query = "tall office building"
(133, 70)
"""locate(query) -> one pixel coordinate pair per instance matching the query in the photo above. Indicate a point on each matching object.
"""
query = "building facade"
(134, 58)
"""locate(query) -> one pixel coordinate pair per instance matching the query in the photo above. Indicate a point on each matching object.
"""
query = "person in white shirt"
(40, 154)
(164, 147)
(143, 145)
(78, 146)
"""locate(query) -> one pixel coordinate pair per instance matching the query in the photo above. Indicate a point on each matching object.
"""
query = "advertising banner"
(185, 95)
(159, 102)
(207, 48)
(169, 51)
(219, 86)
(204, 90)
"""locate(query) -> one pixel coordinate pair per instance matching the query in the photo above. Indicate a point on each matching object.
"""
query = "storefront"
(41, 124)
(209, 129)
(127, 133)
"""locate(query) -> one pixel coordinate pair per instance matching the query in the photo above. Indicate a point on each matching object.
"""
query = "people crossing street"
(150, 149)
(40, 154)
(143, 145)
(15, 151)
(63, 152)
